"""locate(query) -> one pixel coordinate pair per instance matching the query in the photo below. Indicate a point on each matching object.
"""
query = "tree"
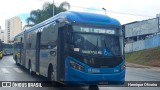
(65, 5)
(37, 16)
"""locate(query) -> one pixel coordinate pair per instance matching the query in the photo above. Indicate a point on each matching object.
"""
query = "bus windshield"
(93, 43)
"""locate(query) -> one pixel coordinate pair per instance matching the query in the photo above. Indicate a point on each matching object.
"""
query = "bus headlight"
(122, 67)
(76, 66)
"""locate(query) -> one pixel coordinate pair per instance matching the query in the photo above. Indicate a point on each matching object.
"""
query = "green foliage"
(37, 16)
(150, 57)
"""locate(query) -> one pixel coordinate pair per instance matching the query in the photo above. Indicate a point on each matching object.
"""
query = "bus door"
(61, 55)
(38, 39)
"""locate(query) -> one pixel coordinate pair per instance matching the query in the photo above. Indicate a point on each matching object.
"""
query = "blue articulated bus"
(7, 49)
(74, 48)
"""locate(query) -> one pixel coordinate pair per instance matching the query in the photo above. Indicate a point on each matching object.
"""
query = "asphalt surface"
(9, 71)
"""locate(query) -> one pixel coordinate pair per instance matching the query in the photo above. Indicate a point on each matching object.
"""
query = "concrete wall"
(143, 44)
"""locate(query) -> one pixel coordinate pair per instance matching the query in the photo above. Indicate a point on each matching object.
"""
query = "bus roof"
(79, 17)
(85, 17)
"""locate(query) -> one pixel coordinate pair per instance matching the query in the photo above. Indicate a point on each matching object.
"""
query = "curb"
(141, 66)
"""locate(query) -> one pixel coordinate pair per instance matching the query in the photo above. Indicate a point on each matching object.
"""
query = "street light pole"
(104, 10)
(53, 7)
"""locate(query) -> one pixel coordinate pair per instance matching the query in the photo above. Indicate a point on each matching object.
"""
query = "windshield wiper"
(110, 51)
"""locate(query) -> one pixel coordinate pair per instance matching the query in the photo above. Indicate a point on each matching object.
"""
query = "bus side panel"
(48, 50)
(44, 52)
(27, 49)
(18, 49)
(21, 51)
(24, 51)
(15, 50)
(30, 51)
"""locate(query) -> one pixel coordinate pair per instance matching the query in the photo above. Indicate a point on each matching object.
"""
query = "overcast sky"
(124, 10)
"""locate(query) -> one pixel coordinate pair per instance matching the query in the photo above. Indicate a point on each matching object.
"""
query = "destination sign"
(93, 30)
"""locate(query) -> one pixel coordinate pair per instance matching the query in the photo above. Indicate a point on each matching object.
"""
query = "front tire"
(93, 87)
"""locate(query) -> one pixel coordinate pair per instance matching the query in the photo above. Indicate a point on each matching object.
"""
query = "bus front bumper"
(77, 77)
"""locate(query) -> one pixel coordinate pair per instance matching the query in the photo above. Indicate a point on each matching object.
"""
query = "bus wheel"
(51, 77)
(51, 74)
(16, 60)
(93, 87)
(30, 68)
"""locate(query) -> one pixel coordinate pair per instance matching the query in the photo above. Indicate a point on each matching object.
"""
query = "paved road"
(10, 72)
(138, 74)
